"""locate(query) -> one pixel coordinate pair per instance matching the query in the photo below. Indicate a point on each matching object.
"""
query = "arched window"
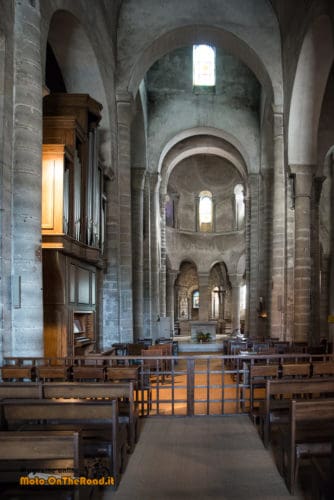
(239, 206)
(204, 66)
(169, 211)
(205, 211)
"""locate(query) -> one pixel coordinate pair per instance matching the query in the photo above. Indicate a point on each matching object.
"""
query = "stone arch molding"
(79, 66)
(314, 64)
(256, 43)
(198, 141)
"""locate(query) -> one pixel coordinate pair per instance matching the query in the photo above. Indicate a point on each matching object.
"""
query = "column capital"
(304, 178)
(235, 280)
(125, 107)
(318, 182)
(154, 179)
(138, 179)
(172, 275)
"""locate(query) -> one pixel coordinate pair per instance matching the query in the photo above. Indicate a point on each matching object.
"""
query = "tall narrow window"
(196, 299)
(239, 206)
(169, 211)
(204, 66)
(205, 211)
(215, 302)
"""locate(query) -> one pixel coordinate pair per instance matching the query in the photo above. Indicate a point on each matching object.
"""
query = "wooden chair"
(323, 368)
(296, 370)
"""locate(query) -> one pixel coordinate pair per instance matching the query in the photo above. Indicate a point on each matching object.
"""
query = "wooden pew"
(38, 451)
(97, 422)
(310, 431)
(323, 477)
(258, 375)
(280, 392)
(89, 390)
(20, 390)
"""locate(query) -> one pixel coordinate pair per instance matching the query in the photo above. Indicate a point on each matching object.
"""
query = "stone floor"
(201, 458)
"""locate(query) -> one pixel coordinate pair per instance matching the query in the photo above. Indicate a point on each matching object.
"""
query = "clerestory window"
(205, 211)
(204, 67)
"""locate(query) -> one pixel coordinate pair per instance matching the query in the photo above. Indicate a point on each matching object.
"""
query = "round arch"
(189, 35)
(314, 64)
(79, 67)
(197, 144)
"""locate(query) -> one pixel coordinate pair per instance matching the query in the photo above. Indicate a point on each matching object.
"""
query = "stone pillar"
(324, 295)
(155, 252)
(171, 277)
(235, 280)
(253, 203)
(278, 247)
(27, 297)
(204, 297)
(315, 297)
(331, 266)
(163, 254)
(124, 118)
(147, 259)
(137, 187)
(302, 268)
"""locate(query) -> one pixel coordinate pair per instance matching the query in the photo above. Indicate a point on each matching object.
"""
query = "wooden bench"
(97, 422)
(258, 375)
(89, 390)
(323, 477)
(20, 390)
(38, 451)
(310, 431)
(278, 396)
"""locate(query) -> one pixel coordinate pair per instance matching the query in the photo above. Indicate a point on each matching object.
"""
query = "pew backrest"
(20, 390)
(39, 449)
(286, 389)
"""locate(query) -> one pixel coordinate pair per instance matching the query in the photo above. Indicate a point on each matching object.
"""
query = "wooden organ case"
(72, 223)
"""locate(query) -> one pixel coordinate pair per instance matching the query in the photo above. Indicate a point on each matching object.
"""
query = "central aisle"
(200, 458)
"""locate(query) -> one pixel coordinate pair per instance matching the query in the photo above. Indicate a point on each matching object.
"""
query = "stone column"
(137, 187)
(331, 265)
(171, 277)
(124, 118)
(315, 297)
(147, 259)
(324, 294)
(278, 248)
(27, 297)
(302, 268)
(204, 296)
(163, 252)
(253, 203)
(155, 252)
(235, 280)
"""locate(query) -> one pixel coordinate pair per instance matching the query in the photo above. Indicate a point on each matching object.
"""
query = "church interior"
(166, 192)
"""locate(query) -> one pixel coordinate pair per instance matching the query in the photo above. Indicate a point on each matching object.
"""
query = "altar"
(205, 327)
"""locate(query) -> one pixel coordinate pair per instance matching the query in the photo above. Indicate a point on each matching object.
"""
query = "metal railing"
(183, 385)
